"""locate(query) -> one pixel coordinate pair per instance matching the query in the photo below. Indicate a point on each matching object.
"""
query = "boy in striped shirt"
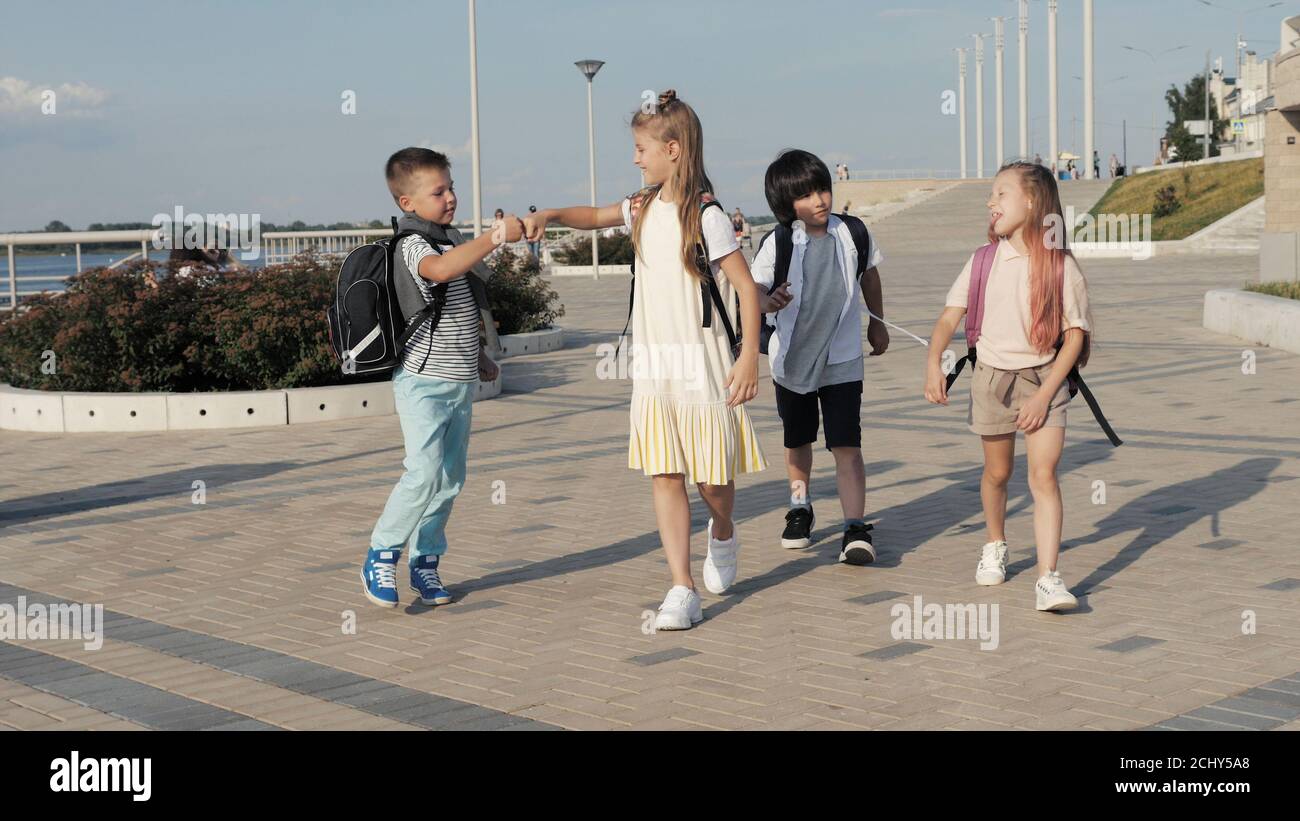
(434, 386)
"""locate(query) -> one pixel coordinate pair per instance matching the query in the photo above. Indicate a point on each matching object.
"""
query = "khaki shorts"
(996, 397)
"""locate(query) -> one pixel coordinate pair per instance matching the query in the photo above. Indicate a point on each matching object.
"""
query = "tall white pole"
(1024, 79)
(979, 105)
(961, 105)
(1089, 96)
(473, 121)
(999, 44)
(591, 151)
(1053, 135)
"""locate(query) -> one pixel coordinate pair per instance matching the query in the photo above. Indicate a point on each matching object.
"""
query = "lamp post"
(979, 104)
(1053, 134)
(589, 69)
(961, 104)
(1089, 94)
(1154, 59)
(999, 45)
(1024, 79)
(473, 121)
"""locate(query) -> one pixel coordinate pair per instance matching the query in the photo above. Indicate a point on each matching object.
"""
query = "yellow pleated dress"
(679, 414)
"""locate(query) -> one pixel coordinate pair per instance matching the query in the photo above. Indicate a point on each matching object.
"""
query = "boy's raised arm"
(454, 263)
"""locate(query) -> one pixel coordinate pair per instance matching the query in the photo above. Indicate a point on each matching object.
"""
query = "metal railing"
(275, 247)
(904, 174)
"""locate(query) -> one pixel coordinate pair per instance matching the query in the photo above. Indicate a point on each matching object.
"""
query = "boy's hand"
(507, 229)
(742, 379)
(535, 226)
(878, 336)
(936, 385)
(775, 301)
(488, 371)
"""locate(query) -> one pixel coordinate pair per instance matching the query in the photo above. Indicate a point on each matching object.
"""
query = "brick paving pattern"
(235, 614)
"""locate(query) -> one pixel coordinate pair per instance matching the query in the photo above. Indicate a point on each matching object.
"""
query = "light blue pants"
(435, 417)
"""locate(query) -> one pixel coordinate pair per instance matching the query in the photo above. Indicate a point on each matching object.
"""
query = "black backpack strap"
(861, 241)
(434, 309)
(961, 363)
(708, 287)
(1077, 384)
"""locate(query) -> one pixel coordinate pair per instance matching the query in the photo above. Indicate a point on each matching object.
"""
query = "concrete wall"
(1279, 253)
(863, 194)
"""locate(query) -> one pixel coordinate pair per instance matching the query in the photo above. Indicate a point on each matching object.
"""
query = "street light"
(473, 119)
(1154, 58)
(589, 69)
(1240, 15)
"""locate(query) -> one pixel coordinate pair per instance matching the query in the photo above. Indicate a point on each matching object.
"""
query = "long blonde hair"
(1046, 262)
(673, 119)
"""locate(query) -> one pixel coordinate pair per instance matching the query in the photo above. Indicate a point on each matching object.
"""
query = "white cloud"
(21, 99)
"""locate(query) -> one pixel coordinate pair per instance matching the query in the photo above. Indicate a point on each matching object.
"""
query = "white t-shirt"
(719, 234)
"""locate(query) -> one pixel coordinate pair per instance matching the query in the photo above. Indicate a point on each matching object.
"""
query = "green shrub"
(520, 299)
(112, 331)
(615, 250)
(1290, 290)
(1167, 201)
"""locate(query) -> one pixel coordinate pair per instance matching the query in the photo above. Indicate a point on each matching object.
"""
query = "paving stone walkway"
(237, 613)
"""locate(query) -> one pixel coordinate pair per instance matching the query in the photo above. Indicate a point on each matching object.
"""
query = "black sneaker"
(856, 547)
(798, 528)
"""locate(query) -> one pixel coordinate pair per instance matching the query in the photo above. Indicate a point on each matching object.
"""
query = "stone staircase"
(1237, 233)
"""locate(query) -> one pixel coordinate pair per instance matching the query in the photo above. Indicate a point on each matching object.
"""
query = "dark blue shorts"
(841, 405)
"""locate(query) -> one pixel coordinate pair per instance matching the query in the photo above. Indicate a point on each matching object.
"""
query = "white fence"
(274, 247)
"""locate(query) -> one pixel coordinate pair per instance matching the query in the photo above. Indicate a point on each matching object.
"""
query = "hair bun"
(667, 97)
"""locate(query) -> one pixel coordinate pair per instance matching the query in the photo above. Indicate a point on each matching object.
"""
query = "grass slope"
(1207, 193)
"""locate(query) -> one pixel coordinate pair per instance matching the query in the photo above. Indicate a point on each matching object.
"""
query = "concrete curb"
(1259, 319)
(76, 412)
(543, 341)
(585, 270)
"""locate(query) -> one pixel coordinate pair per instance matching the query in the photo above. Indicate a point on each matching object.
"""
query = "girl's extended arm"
(936, 383)
(743, 378)
(582, 217)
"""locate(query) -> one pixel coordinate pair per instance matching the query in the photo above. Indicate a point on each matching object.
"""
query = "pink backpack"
(981, 266)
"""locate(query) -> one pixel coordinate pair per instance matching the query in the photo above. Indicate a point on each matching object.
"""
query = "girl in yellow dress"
(688, 421)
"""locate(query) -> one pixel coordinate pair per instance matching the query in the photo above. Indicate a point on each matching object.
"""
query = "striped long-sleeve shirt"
(451, 352)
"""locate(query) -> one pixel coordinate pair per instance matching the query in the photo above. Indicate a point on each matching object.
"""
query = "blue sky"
(235, 107)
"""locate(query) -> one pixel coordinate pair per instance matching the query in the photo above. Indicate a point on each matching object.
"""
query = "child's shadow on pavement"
(1165, 512)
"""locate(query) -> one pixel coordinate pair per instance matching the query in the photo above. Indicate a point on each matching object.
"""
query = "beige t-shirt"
(1004, 331)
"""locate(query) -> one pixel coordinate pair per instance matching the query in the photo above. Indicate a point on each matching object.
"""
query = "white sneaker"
(680, 610)
(720, 563)
(992, 568)
(1052, 593)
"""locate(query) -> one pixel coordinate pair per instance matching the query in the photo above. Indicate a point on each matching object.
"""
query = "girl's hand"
(742, 379)
(775, 301)
(535, 225)
(936, 385)
(1033, 413)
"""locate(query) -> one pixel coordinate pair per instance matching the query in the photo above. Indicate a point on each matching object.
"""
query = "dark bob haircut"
(793, 175)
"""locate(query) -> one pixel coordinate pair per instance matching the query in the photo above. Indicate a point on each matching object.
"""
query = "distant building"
(1243, 99)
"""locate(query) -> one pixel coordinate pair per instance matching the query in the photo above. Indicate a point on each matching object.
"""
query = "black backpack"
(374, 313)
(785, 251)
(709, 293)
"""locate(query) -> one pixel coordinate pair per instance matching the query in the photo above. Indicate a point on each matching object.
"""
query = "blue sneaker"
(426, 582)
(379, 576)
